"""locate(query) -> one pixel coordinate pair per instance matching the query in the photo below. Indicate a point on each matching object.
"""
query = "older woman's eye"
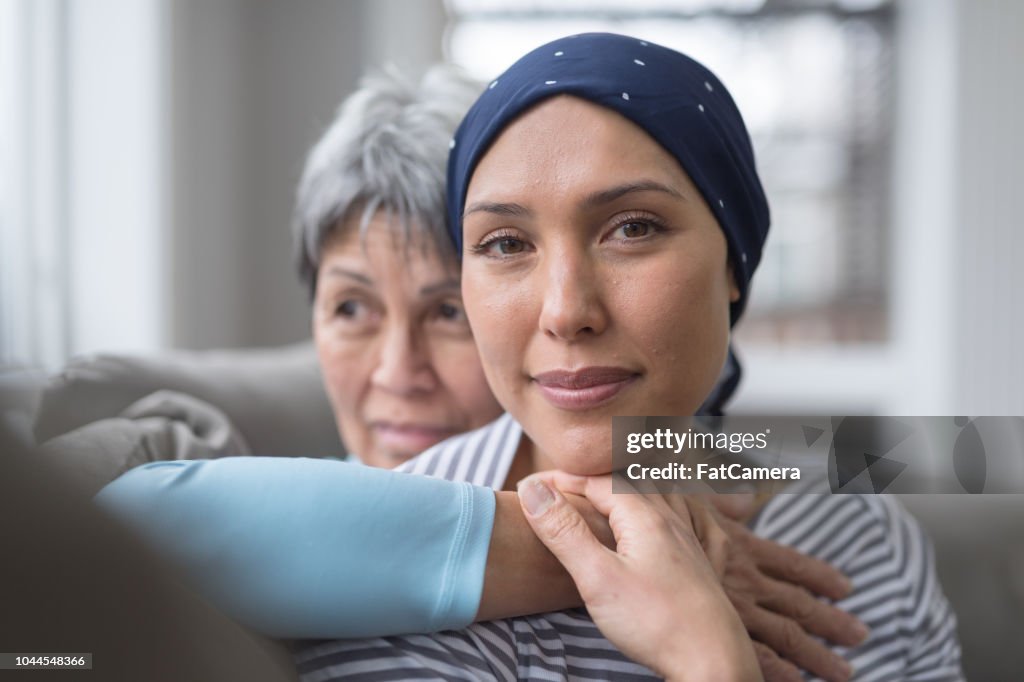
(348, 309)
(449, 319)
(451, 312)
(352, 316)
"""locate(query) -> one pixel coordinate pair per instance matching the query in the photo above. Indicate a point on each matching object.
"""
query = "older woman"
(305, 548)
(604, 196)
(398, 359)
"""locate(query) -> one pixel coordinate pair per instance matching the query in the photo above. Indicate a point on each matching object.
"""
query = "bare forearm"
(522, 576)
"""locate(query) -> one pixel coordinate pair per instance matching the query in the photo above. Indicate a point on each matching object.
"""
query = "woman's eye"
(635, 229)
(348, 309)
(508, 246)
(354, 315)
(451, 311)
(499, 245)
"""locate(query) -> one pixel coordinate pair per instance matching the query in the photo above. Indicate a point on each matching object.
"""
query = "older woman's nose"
(403, 363)
(572, 306)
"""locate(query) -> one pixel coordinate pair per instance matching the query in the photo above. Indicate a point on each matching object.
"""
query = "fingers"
(736, 506)
(712, 537)
(596, 520)
(789, 565)
(599, 491)
(564, 532)
(773, 668)
(638, 522)
(567, 483)
(792, 643)
(604, 495)
(814, 616)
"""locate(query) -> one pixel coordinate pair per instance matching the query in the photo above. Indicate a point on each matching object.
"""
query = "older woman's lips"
(583, 389)
(411, 438)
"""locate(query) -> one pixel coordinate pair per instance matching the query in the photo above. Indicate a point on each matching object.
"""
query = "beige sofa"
(105, 414)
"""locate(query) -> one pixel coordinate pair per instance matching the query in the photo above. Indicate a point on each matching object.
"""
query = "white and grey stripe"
(870, 538)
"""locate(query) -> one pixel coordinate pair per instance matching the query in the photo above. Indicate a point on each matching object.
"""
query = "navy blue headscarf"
(677, 101)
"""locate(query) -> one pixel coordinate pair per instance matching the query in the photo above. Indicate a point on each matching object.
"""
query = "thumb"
(562, 529)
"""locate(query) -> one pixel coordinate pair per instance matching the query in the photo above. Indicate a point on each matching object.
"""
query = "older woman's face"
(595, 279)
(398, 358)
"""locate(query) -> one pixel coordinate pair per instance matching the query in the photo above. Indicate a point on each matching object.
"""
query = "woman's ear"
(734, 289)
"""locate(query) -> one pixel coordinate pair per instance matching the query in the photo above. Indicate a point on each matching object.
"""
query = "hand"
(772, 588)
(736, 506)
(656, 596)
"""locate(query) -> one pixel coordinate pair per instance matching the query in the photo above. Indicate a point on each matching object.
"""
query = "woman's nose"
(403, 366)
(572, 306)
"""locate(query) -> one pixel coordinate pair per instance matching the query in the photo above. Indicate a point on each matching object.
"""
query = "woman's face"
(398, 358)
(595, 279)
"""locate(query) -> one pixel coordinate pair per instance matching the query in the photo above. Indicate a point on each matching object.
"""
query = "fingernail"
(861, 631)
(536, 496)
(847, 669)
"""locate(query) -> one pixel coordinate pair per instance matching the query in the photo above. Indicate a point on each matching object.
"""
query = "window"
(33, 284)
(81, 184)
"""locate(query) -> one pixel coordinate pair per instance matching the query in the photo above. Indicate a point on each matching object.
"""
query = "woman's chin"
(585, 460)
(581, 449)
(588, 468)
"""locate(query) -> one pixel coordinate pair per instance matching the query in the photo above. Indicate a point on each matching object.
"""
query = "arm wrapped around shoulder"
(297, 547)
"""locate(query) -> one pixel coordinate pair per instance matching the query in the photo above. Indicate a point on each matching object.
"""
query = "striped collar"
(482, 457)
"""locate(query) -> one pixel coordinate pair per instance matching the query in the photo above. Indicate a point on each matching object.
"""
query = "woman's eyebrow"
(598, 198)
(606, 196)
(445, 285)
(499, 208)
(338, 271)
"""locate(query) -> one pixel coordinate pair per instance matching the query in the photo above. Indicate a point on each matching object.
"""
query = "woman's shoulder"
(890, 561)
(808, 521)
(865, 536)
(843, 529)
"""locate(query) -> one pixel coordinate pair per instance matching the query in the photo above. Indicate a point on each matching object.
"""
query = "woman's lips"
(583, 389)
(409, 438)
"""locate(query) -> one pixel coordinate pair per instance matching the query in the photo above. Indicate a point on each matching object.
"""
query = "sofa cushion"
(273, 397)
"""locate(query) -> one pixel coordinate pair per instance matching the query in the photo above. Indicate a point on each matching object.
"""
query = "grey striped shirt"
(870, 538)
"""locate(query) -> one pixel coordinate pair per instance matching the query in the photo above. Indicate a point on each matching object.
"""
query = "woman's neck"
(528, 460)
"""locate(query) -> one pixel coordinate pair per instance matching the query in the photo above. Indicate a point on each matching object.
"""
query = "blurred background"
(150, 150)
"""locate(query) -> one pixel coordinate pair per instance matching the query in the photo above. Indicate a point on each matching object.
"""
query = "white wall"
(83, 149)
(987, 307)
(113, 133)
(253, 84)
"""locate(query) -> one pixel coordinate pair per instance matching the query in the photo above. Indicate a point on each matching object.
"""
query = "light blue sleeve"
(315, 548)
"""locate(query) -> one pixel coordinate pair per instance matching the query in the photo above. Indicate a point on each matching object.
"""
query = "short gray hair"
(387, 149)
